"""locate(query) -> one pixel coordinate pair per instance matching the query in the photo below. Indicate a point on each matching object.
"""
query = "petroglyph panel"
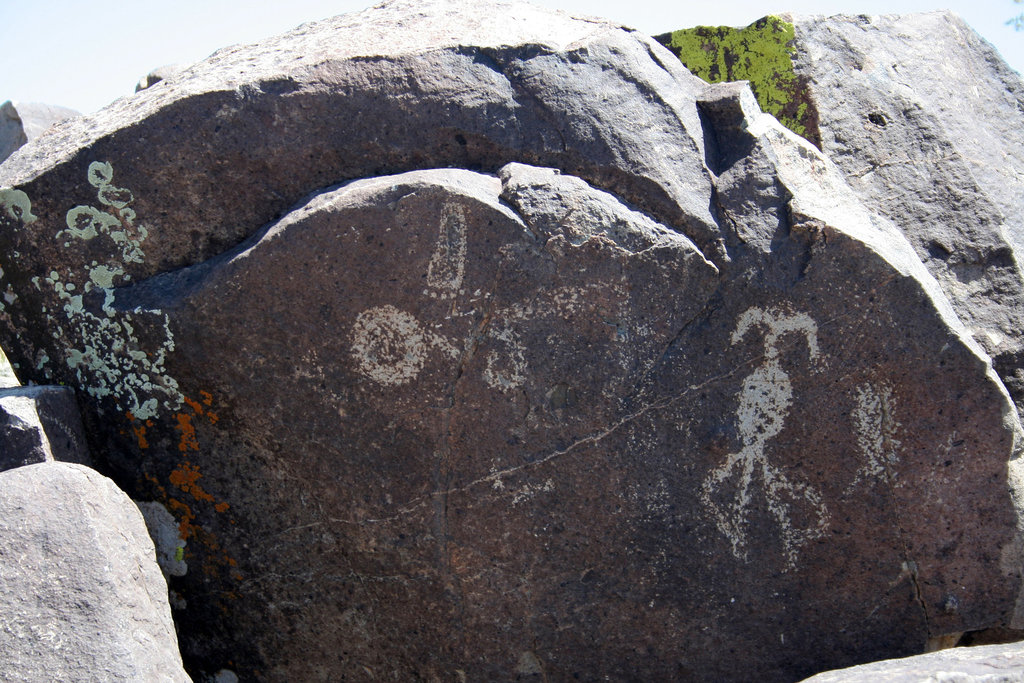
(390, 346)
(447, 266)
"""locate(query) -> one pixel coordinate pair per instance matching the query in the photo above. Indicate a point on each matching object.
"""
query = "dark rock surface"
(40, 423)
(475, 342)
(24, 121)
(983, 664)
(81, 596)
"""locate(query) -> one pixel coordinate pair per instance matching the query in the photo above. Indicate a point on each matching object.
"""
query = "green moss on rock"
(761, 53)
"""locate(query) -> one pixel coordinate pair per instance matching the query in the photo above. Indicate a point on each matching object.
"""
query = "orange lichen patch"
(139, 429)
(197, 407)
(186, 477)
(155, 482)
(186, 529)
(140, 435)
(194, 405)
(188, 441)
(221, 507)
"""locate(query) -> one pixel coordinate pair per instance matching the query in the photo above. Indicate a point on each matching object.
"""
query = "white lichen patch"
(447, 265)
(528, 491)
(116, 219)
(764, 403)
(163, 529)
(876, 431)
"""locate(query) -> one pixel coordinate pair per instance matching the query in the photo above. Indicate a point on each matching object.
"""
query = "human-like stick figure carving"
(763, 406)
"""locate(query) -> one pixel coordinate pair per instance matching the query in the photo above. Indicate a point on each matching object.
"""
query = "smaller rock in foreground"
(988, 664)
(81, 594)
(156, 75)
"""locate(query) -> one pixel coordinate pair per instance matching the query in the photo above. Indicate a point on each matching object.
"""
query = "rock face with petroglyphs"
(475, 343)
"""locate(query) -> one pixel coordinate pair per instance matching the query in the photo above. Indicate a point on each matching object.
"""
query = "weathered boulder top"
(472, 341)
(253, 91)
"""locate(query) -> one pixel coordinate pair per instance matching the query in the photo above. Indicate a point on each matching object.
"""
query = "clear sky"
(85, 53)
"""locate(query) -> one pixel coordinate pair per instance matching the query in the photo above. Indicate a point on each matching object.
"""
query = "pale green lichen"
(116, 219)
(16, 205)
(108, 359)
(762, 54)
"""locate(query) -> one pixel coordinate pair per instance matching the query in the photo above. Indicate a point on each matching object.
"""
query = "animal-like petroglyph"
(763, 406)
(391, 346)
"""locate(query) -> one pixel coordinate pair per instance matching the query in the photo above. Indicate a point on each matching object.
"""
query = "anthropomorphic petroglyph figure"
(763, 405)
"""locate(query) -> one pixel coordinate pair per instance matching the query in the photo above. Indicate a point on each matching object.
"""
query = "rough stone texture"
(40, 423)
(924, 119)
(158, 74)
(479, 342)
(984, 664)
(24, 121)
(81, 596)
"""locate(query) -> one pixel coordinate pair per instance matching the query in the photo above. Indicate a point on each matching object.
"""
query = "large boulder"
(24, 121)
(480, 342)
(81, 596)
(936, 144)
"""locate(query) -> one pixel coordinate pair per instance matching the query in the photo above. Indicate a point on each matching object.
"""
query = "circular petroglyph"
(388, 345)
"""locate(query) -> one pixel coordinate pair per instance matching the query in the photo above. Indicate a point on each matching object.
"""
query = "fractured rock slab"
(40, 424)
(514, 350)
(81, 595)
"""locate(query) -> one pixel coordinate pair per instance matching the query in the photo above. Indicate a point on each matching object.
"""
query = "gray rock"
(925, 120)
(24, 121)
(163, 528)
(39, 424)
(81, 596)
(158, 74)
(474, 341)
(983, 664)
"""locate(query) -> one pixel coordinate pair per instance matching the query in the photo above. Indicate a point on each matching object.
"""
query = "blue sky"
(84, 54)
